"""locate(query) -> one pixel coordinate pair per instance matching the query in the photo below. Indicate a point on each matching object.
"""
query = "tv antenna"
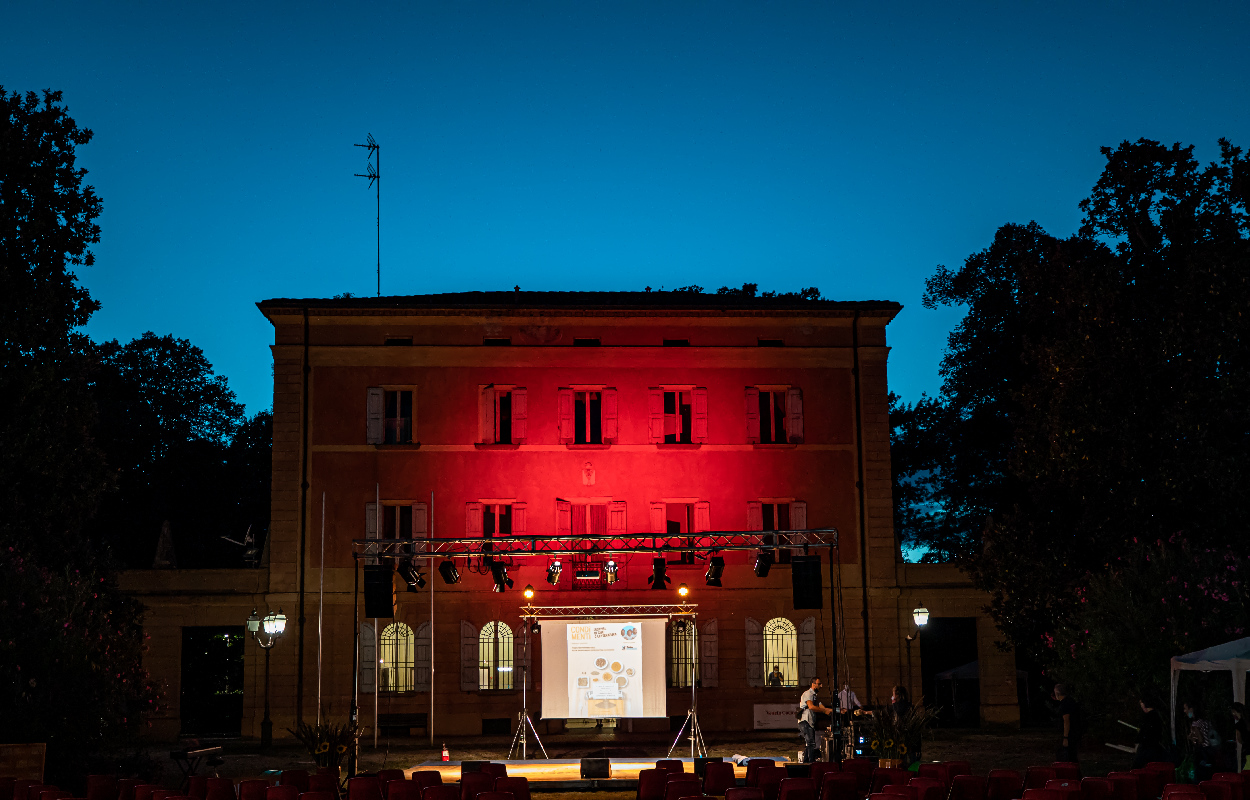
(374, 174)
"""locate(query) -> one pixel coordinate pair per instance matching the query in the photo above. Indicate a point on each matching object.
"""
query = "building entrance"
(950, 671)
(212, 681)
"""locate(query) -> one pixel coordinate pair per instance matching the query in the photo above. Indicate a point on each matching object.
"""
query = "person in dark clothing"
(1070, 716)
(900, 704)
(1240, 738)
(1150, 741)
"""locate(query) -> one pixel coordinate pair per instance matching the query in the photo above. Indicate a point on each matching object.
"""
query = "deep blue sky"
(598, 145)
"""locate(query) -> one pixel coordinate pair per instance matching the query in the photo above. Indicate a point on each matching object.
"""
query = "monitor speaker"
(596, 768)
(379, 591)
(806, 580)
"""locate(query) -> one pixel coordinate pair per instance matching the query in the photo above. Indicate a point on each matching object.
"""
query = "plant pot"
(889, 763)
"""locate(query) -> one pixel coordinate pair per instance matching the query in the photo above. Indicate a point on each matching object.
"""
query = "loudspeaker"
(700, 764)
(596, 768)
(806, 581)
(467, 767)
(379, 590)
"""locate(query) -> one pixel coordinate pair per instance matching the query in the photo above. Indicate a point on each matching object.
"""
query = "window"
(395, 659)
(389, 416)
(394, 521)
(587, 415)
(502, 414)
(590, 517)
(680, 517)
(488, 518)
(677, 422)
(777, 515)
(678, 415)
(781, 661)
(683, 660)
(496, 518)
(397, 522)
(494, 656)
(774, 415)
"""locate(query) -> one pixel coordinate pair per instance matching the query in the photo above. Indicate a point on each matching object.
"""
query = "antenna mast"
(374, 174)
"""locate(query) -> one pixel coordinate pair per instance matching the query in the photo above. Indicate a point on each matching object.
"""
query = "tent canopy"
(965, 672)
(1231, 657)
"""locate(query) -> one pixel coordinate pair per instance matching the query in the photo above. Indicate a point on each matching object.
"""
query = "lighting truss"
(684, 610)
(606, 544)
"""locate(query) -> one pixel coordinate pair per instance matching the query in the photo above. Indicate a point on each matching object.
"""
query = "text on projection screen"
(603, 669)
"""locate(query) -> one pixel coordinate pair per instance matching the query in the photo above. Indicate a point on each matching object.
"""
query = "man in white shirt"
(810, 703)
(847, 701)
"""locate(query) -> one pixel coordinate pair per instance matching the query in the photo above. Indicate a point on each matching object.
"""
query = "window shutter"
(368, 659)
(473, 519)
(374, 410)
(755, 653)
(420, 520)
(755, 516)
(371, 529)
(616, 517)
(609, 416)
(468, 657)
(698, 416)
(709, 655)
(807, 651)
(564, 518)
(520, 413)
(655, 408)
(564, 414)
(798, 515)
(659, 522)
(794, 415)
(421, 658)
(753, 415)
(486, 414)
(518, 518)
(702, 516)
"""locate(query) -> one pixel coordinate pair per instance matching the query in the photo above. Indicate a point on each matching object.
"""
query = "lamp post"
(919, 615)
(273, 626)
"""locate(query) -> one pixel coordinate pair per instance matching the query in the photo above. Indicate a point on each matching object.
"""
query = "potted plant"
(328, 743)
(895, 739)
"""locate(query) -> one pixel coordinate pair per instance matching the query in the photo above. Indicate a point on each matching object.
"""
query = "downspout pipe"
(863, 509)
(303, 531)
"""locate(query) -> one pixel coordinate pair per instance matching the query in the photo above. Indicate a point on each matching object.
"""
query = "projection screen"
(603, 668)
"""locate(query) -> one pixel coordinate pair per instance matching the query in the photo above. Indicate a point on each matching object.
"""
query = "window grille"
(781, 652)
(494, 659)
(395, 660)
(682, 644)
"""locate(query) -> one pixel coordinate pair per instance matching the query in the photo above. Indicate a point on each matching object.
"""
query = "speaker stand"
(523, 719)
(697, 748)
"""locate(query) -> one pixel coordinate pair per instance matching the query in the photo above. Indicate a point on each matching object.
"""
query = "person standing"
(775, 678)
(1073, 724)
(1239, 733)
(810, 705)
(1203, 740)
(1150, 745)
(848, 701)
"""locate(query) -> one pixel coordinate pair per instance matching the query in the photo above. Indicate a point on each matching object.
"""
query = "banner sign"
(775, 716)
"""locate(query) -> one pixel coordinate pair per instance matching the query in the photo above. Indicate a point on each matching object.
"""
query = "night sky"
(598, 145)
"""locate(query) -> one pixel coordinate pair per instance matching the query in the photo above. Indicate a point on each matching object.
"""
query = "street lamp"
(273, 626)
(919, 615)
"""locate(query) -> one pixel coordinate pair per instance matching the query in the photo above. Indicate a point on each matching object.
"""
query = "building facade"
(561, 414)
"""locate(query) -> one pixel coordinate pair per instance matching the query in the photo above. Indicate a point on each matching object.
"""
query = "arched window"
(395, 658)
(494, 656)
(682, 644)
(781, 663)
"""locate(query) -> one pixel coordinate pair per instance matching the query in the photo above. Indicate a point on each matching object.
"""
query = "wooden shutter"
(421, 658)
(520, 413)
(518, 517)
(609, 416)
(709, 655)
(698, 415)
(807, 651)
(468, 657)
(371, 529)
(755, 653)
(420, 520)
(368, 659)
(375, 408)
(702, 516)
(794, 415)
(486, 414)
(564, 518)
(564, 415)
(755, 516)
(753, 415)
(659, 521)
(798, 516)
(473, 519)
(655, 410)
(616, 517)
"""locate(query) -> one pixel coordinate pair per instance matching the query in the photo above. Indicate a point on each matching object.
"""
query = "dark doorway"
(949, 670)
(212, 681)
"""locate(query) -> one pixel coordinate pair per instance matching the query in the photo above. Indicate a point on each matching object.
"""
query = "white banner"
(775, 716)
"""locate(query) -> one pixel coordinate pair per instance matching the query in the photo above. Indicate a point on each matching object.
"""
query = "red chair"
(1004, 784)
(837, 786)
(126, 788)
(1123, 785)
(768, 780)
(427, 777)
(441, 791)
(651, 784)
(397, 790)
(862, 769)
(888, 777)
(471, 785)
(1176, 789)
(321, 782)
(1165, 768)
(967, 787)
(219, 792)
(671, 765)
(287, 792)
(1067, 769)
(744, 793)
(197, 787)
(294, 777)
(1045, 794)
(1097, 789)
(1236, 783)
(753, 767)
(101, 787)
(495, 769)
(881, 796)
(1149, 783)
(519, 788)
(1235, 777)
(898, 790)
(35, 789)
(797, 789)
(928, 788)
(817, 773)
(935, 772)
(161, 793)
(54, 794)
(1217, 790)
(142, 792)
(387, 775)
(255, 789)
(315, 795)
(1070, 788)
(954, 768)
(1036, 777)
(676, 790)
(719, 776)
(493, 795)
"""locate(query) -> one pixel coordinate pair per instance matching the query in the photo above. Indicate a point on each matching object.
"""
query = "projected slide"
(608, 668)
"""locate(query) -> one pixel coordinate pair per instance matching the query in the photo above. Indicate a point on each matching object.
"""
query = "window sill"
(498, 692)
(785, 446)
(399, 446)
(485, 446)
(601, 446)
(678, 446)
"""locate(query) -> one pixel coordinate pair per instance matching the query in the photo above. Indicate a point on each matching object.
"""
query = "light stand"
(523, 717)
(273, 625)
(697, 748)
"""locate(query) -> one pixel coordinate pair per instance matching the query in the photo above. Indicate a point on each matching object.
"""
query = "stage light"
(448, 570)
(609, 570)
(715, 568)
(763, 563)
(659, 574)
(528, 592)
(535, 628)
(553, 572)
(412, 576)
(683, 590)
(499, 572)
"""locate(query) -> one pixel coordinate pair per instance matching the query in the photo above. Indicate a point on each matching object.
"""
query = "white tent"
(1232, 657)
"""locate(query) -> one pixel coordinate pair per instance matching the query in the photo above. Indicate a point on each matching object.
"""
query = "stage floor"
(563, 770)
